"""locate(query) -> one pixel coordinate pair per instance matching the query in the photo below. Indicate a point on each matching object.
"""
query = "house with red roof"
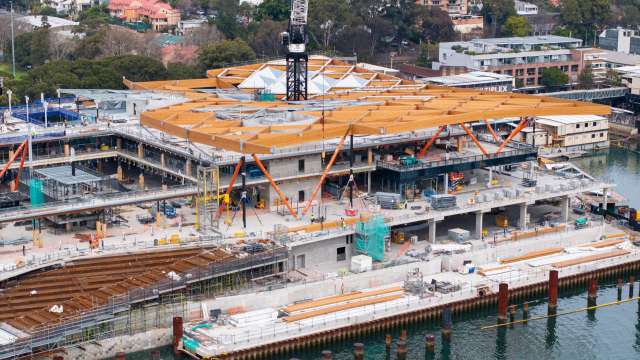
(159, 15)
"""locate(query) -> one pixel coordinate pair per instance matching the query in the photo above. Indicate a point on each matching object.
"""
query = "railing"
(453, 161)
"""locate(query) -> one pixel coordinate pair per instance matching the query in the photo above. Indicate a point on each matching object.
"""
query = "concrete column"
(119, 144)
(564, 209)
(10, 153)
(119, 173)
(140, 150)
(479, 218)
(67, 151)
(553, 291)
(446, 183)
(522, 221)
(67, 227)
(177, 333)
(432, 231)
(187, 167)
(99, 165)
(141, 181)
(503, 302)
(162, 160)
(490, 176)
(369, 182)
(369, 156)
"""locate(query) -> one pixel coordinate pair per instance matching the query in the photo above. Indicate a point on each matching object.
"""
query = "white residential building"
(525, 8)
(622, 40)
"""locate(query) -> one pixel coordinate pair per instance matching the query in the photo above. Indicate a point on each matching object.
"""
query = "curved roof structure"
(357, 102)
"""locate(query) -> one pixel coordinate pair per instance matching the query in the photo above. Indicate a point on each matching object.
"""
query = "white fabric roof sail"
(274, 81)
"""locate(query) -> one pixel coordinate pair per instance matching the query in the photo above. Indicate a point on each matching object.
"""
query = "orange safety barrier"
(273, 183)
(515, 131)
(13, 158)
(236, 171)
(324, 173)
(493, 133)
(475, 140)
(431, 141)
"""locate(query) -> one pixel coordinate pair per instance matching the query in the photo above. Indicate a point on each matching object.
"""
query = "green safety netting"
(36, 196)
(370, 237)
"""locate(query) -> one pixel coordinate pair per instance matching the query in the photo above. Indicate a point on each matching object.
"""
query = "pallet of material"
(616, 235)
(338, 299)
(519, 235)
(590, 258)
(493, 270)
(341, 307)
(531, 255)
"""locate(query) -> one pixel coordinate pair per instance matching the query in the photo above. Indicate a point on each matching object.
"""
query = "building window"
(586, 125)
(594, 123)
(301, 165)
(601, 134)
(593, 136)
(301, 195)
(577, 126)
(341, 254)
(519, 72)
(574, 68)
(531, 71)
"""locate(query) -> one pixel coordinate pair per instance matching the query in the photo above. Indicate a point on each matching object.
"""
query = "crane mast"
(295, 43)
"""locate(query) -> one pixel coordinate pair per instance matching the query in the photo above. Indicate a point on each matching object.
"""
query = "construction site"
(368, 197)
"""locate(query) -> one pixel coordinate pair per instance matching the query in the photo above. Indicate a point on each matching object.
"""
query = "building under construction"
(369, 164)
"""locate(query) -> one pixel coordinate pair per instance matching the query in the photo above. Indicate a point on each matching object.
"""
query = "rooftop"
(63, 174)
(54, 22)
(469, 78)
(569, 119)
(529, 40)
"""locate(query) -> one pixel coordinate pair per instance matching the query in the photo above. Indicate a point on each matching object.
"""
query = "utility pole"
(13, 49)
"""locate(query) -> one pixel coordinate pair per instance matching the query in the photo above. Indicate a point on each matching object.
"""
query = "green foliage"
(226, 17)
(516, 26)
(277, 10)
(93, 18)
(585, 17)
(86, 74)
(553, 77)
(613, 78)
(436, 25)
(585, 78)
(45, 10)
(178, 71)
(496, 13)
(31, 48)
(427, 54)
(561, 31)
(223, 53)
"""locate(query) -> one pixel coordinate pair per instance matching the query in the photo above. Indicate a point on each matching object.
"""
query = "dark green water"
(608, 333)
(620, 166)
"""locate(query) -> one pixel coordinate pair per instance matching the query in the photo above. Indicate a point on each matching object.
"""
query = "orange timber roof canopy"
(385, 105)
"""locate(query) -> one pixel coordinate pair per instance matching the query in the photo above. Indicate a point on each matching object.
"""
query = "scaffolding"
(208, 199)
(370, 237)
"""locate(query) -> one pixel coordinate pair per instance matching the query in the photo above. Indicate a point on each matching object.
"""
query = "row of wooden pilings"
(444, 312)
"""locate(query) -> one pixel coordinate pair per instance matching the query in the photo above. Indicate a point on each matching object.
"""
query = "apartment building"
(525, 58)
(450, 6)
(159, 14)
(574, 132)
(525, 8)
(621, 40)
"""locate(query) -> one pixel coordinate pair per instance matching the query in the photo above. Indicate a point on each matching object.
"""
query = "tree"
(226, 19)
(428, 53)
(223, 53)
(553, 77)
(205, 34)
(585, 17)
(613, 78)
(31, 48)
(45, 10)
(277, 10)
(436, 25)
(516, 26)
(93, 18)
(330, 17)
(585, 78)
(137, 68)
(178, 71)
(496, 13)
(265, 40)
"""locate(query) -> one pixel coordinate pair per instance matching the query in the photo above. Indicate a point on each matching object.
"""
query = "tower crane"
(295, 43)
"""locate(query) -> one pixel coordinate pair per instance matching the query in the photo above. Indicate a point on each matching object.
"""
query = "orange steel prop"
(515, 131)
(236, 171)
(273, 183)
(493, 133)
(431, 141)
(12, 159)
(475, 140)
(324, 173)
(17, 181)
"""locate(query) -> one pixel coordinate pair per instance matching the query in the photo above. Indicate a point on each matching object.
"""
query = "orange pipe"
(431, 141)
(17, 180)
(515, 131)
(273, 183)
(12, 159)
(493, 133)
(236, 171)
(324, 174)
(475, 140)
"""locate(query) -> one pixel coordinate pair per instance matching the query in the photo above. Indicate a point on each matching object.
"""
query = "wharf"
(338, 316)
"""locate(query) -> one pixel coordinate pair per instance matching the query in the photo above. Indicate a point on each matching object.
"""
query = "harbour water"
(610, 333)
